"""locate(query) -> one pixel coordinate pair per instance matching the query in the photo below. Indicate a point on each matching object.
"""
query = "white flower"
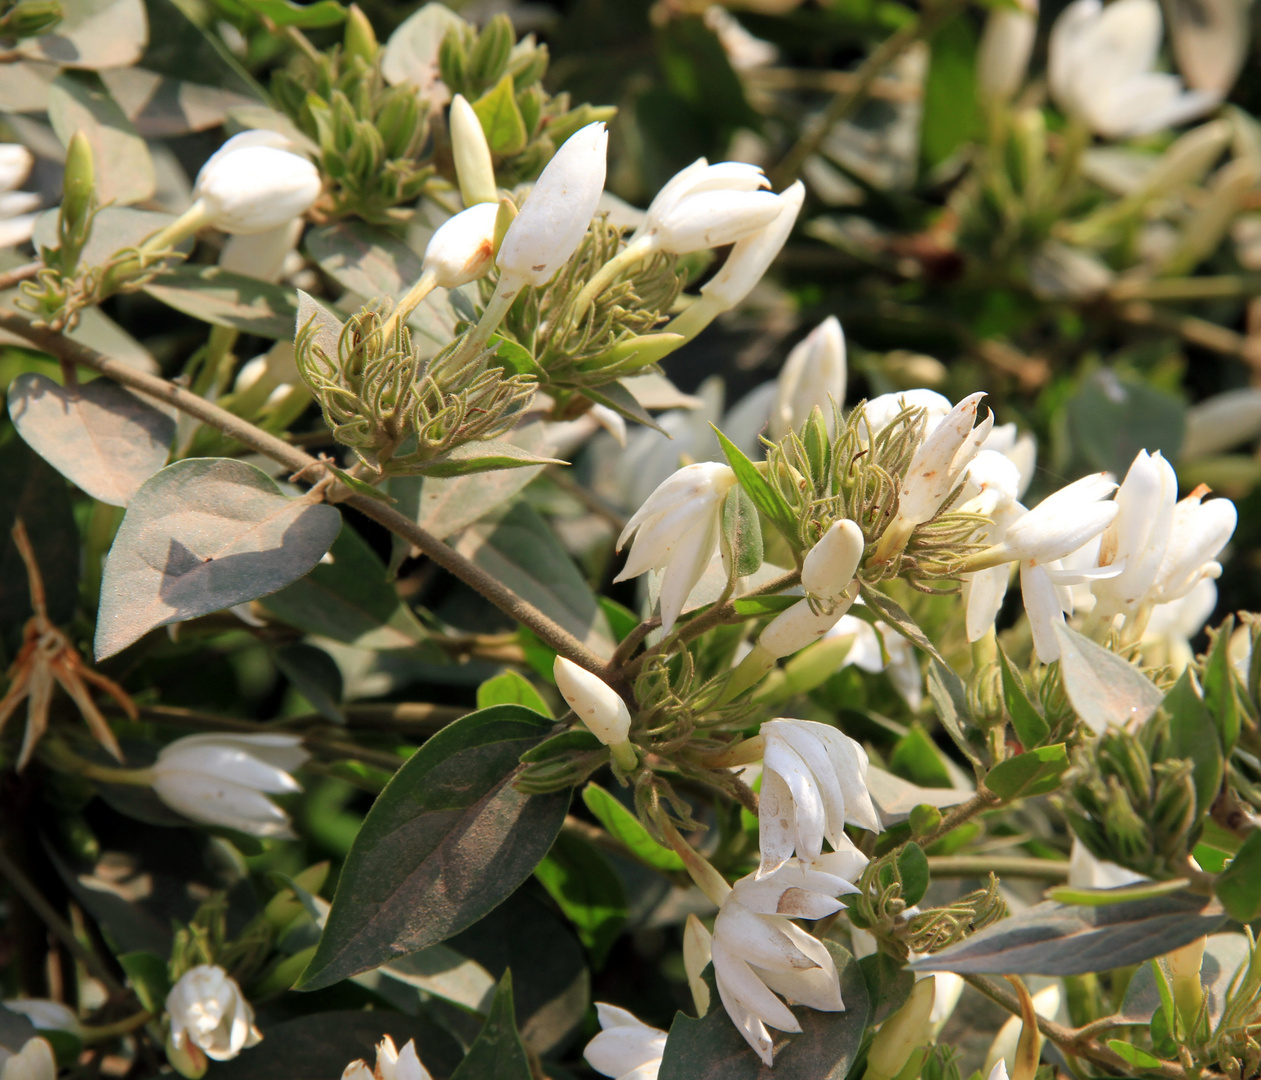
(463, 247)
(999, 1071)
(17, 219)
(261, 255)
(209, 1012)
(252, 183)
(1197, 535)
(1002, 1052)
(35, 1061)
(224, 779)
(1138, 536)
(706, 206)
(676, 531)
(392, 1064)
(1020, 450)
(758, 953)
(829, 567)
(1062, 522)
(752, 256)
(597, 704)
(814, 782)
(1171, 627)
(1003, 56)
(555, 215)
(44, 1014)
(1221, 423)
(626, 1048)
(814, 374)
(1101, 70)
(881, 411)
(474, 167)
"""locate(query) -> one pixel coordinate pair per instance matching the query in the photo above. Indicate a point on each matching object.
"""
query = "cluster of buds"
(502, 79)
(370, 135)
(400, 412)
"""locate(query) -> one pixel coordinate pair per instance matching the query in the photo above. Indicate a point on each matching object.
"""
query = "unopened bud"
(797, 627)
(494, 46)
(1184, 970)
(79, 183)
(596, 703)
(830, 565)
(902, 1033)
(360, 39)
(462, 250)
(473, 165)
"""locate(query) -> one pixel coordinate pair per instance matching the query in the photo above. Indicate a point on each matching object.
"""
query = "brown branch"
(19, 274)
(520, 609)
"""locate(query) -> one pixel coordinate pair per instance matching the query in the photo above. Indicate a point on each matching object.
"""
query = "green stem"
(699, 314)
(978, 866)
(425, 284)
(634, 252)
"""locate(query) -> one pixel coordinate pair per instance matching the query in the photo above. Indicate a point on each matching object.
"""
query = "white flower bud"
(252, 183)
(209, 1012)
(1006, 46)
(752, 256)
(796, 627)
(554, 218)
(463, 247)
(597, 704)
(1221, 423)
(15, 165)
(626, 1047)
(814, 374)
(224, 779)
(706, 206)
(829, 567)
(474, 167)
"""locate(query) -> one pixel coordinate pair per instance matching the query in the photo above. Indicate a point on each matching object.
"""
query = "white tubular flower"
(999, 1071)
(829, 567)
(626, 1048)
(392, 1064)
(881, 411)
(758, 953)
(706, 206)
(1020, 450)
(463, 247)
(224, 780)
(752, 257)
(798, 626)
(17, 217)
(1138, 537)
(1100, 70)
(35, 1061)
(209, 1012)
(555, 215)
(1006, 46)
(814, 782)
(1199, 532)
(1172, 627)
(253, 183)
(1062, 522)
(597, 704)
(814, 374)
(677, 531)
(474, 167)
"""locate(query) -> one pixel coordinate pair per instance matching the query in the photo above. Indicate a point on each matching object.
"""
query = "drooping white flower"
(392, 1064)
(1002, 58)
(35, 1061)
(1101, 70)
(813, 375)
(829, 567)
(1138, 536)
(253, 183)
(758, 952)
(1197, 535)
(17, 216)
(208, 1012)
(626, 1048)
(814, 782)
(752, 257)
(224, 779)
(462, 249)
(597, 704)
(677, 531)
(555, 215)
(706, 206)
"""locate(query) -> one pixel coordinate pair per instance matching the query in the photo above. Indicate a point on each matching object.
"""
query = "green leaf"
(916, 757)
(314, 675)
(511, 688)
(764, 497)
(1219, 688)
(617, 397)
(1031, 729)
(1061, 939)
(913, 867)
(589, 891)
(1112, 418)
(1135, 1056)
(888, 985)
(741, 532)
(501, 119)
(200, 536)
(952, 114)
(446, 841)
(223, 298)
(364, 258)
(1239, 885)
(1189, 720)
(477, 457)
(359, 487)
(147, 976)
(312, 16)
(1103, 688)
(891, 612)
(514, 357)
(764, 605)
(564, 743)
(951, 699)
(622, 825)
(349, 599)
(712, 1049)
(1035, 772)
(102, 438)
(79, 101)
(497, 1051)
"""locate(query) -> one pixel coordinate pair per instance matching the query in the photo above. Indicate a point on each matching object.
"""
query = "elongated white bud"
(830, 565)
(474, 167)
(597, 704)
(253, 183)
(463, 248)
(1006, 46)
(798, 626)
(814, 374)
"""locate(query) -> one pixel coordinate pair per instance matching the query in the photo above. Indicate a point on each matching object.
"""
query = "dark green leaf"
(501, 119)
(1058, 939)
(741, 532)
(1030, 728)
(764, 605)
(764, 497)
(1189, 720)
(1239, 886)
(952, 115)
(79, 101)
(590, 893)
(913, 866)
(498, 1050)
(310, 16)
(446, 841)
(622, 825)
(511, 688)
(712, 1049)
(615, 396)
(1035, 772)
(225, 299)
(514, 357)
(891, 612)
(200, 536)
(566, 742)
(1110, 419)
(147, 976)
(314, 675)
(1102, 687)
(349, 600)
(1134, 1055)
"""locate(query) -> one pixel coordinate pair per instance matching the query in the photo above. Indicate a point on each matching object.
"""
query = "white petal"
(777, 824)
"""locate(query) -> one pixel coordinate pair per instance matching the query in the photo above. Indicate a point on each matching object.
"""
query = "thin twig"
(520, 609)
(983, 800)
(19, 274)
